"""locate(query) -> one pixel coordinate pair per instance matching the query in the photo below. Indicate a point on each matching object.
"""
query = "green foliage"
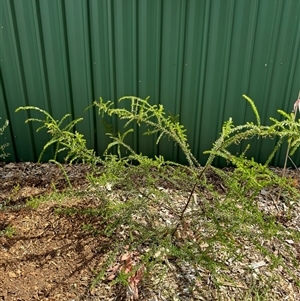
(3, 154)
(154, 117)
(9, 232)
(166, 210)
(91, 229)
(285, 130)
(33, 203)
(63, 138)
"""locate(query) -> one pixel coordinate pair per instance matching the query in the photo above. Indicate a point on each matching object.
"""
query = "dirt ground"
(51, 257)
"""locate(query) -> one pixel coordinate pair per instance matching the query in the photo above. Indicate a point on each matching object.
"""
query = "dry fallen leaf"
(256, 265)
(134, 280)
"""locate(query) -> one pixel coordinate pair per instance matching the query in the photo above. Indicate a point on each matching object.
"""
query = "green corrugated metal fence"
(196, 57)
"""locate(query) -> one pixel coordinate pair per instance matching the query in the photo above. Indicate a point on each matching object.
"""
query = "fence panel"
(195, 57)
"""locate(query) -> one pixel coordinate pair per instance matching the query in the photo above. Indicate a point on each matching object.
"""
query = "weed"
(90, 228)
(8, 232)
(33, 202)
(55, 196)
(11, 197)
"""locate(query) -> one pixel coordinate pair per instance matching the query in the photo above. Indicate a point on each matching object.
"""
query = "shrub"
(166, 210)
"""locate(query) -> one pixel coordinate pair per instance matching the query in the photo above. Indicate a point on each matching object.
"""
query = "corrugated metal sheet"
(196, 57)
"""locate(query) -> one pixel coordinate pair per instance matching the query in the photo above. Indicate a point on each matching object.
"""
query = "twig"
(293, 163)
(296, 108)
(189, 199)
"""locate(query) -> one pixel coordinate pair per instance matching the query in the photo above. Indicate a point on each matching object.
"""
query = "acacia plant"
(157, 122)
(154, 116)
(63, 137)
(138, 209)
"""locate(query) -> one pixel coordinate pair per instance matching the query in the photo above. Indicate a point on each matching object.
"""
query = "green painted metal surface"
(196, 57)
